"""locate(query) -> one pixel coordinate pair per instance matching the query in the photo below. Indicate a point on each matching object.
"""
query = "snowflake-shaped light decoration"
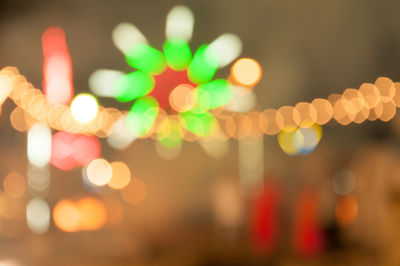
(174, 80)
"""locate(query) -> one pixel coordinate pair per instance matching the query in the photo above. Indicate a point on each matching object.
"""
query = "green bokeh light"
(169, 133)
(203, 66)
(201, 124)
(142, 115)
(133, 85)
(146, 58)
(213, 94)
(177, 54)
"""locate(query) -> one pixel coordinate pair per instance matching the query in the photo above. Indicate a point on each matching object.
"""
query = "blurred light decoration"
(308, 239)
(38, 215)
(73, 150)
(173, 79)
(86, 214)
(84, 108)
(99, 172)
(121, 175)
(346, 209)
(300, 141)
(14, 185)
(264, 219)
(39, 145)
(343, 182)
(38, 179)
(57, 67)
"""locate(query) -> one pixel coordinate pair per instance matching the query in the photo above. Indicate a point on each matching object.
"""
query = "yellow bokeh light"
(121, 175)
(246, 71)
(99, 172)
(66, 216)
(84, 108)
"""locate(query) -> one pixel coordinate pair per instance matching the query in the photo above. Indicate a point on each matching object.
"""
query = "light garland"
(369, 102)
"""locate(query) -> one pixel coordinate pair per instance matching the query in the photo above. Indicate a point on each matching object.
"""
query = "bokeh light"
(246, 71)
(66, 216)
(343, 182)
(39, 145)
(38, 215)
(182, 98)
(92, 214)
(84, 107)
(346, 209)
(14, 185)
(99, 172)
(121, 175)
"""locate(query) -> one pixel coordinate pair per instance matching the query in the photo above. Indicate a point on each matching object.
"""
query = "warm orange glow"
(371, 94)
(115, 211)
(66, 216)
(291, 118)
(246, 71)
(182, 98)
(346, 209)
(308, 114)
(385, 111)
(92, 213)
(17, 119)
(135, 191)
(386, 88)
(14, 185)
(324, 110)
(121, 175)
(271, 121)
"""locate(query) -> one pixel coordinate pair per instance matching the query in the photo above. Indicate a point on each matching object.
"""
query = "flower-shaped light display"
(175, 80)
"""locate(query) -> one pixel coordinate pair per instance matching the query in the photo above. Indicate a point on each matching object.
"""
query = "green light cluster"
(201, 68)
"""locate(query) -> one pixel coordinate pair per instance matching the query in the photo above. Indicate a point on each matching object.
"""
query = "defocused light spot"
(125, 35)
(308, 114)
(343, 182)
(38, 178)
(324, 110)
(66, 216)
(99, 172)
(57, 67)
(135, 191)
(215, 148)
(246, 71)
(6, 85)
(38, 216)
(120, 137)
(92, 214)
(182, 98)
(301, 141)
(14, 185)
(271, 121)
(346, 209)
(39, 145)
(291, 118)
(179, 24)
(103, 82)
(121, 175)
(370, 93)
(225, 48)
(84, 108)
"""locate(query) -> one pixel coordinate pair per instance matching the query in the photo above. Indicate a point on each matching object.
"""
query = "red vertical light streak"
(57, 67)
(307, 238)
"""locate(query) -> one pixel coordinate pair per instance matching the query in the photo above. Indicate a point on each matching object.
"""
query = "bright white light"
(226, 47)
(38, 216)
(99, 172)
(179, 24)
(84, 108)
(102, 81)
(39, 145)
(125, 35)
(120, 136)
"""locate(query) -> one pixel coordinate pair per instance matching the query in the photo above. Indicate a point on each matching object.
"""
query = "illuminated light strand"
(369, 102)
(57, 67)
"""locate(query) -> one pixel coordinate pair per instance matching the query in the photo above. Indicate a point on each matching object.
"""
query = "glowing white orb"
(84, 108)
